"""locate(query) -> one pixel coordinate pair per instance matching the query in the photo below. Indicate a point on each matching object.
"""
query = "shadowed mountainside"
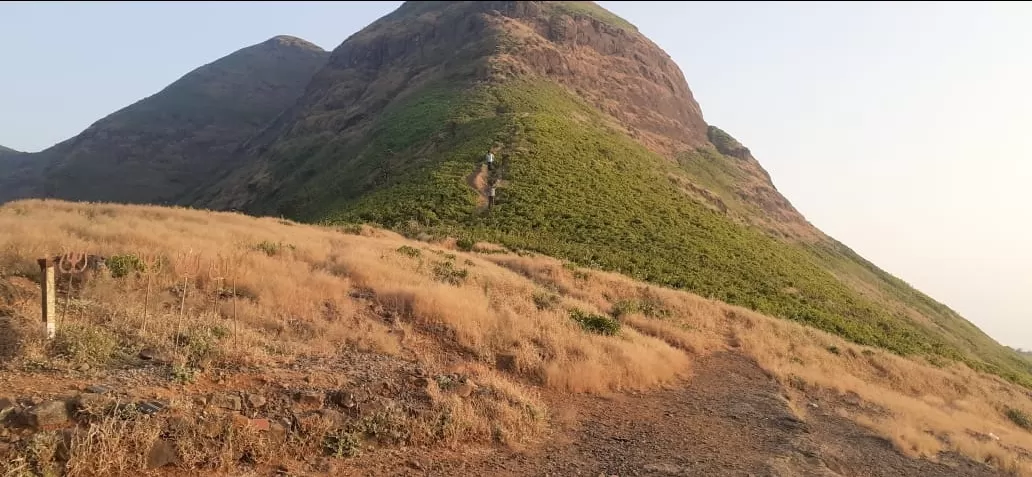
(162, 146)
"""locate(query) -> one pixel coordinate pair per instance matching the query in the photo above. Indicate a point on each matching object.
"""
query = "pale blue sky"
(902, 129)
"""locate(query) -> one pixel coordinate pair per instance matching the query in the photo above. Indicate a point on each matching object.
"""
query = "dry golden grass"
(930, 409)
(266, 291)
(239, 292)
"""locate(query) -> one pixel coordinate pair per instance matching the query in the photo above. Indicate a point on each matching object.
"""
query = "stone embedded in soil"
(310, 398)
(255, 401)
(148, 354)
(344, 399)
(330, 416)
(162, 453)
(226, 401)
(98, 389)
(149, 407)
(260, 424)
(49, 413)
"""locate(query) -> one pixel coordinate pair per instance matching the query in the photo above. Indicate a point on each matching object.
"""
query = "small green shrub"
(445, 382)
(593, 323)
(834, 350)
(200, 344)
(182, 374)
(545, 301)
(465, 244)
(351, 229)
(447, 273)
(84, 344)
(122, 265)
(219, 332)
(340, 444)
(1019, 417)
(272, 248)
(409, 251)
(388, 426)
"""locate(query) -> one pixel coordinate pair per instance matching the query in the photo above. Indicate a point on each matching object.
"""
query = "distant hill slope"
(6, 151)
(166, 144)
(604, 158)
(21, 175)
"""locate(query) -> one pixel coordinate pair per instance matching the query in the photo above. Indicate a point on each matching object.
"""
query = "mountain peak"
(170, 142)
(292, 41)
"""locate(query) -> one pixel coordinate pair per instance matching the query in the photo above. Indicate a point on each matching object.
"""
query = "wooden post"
(49, 303)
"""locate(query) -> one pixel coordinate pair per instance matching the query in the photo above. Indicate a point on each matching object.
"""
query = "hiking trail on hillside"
(729, 419)
(478, 181)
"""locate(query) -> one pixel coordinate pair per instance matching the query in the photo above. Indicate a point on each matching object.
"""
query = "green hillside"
(584, 192)
(595, 170)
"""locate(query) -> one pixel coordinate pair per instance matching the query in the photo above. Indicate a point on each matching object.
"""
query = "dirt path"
(729, 420)
(478, 181)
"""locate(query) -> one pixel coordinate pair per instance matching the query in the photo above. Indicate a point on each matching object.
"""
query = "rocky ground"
(730, 418)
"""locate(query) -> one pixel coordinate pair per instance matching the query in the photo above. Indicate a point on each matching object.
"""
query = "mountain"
(21, 175)
(162, 146)
(6, 151)
(603, 158)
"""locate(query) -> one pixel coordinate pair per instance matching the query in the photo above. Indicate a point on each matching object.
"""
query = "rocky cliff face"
(159, 148)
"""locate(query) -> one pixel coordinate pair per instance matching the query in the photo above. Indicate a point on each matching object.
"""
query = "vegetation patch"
(1020, 418)
(583, 192)
(84, 344)
(123, 265)
(447, 272)
(465, 244)
(545, 301)
(272, 248)
(598, 324)
(408, 251)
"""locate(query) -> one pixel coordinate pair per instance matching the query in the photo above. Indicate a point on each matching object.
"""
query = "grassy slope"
(585, 193)
(314, 306)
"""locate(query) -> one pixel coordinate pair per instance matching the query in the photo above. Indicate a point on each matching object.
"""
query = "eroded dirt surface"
(477, 180)
(729, 419)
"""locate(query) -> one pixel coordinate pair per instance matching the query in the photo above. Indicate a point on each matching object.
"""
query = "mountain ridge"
(167, 143)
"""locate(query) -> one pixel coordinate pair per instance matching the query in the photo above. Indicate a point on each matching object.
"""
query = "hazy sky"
(902, 129)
